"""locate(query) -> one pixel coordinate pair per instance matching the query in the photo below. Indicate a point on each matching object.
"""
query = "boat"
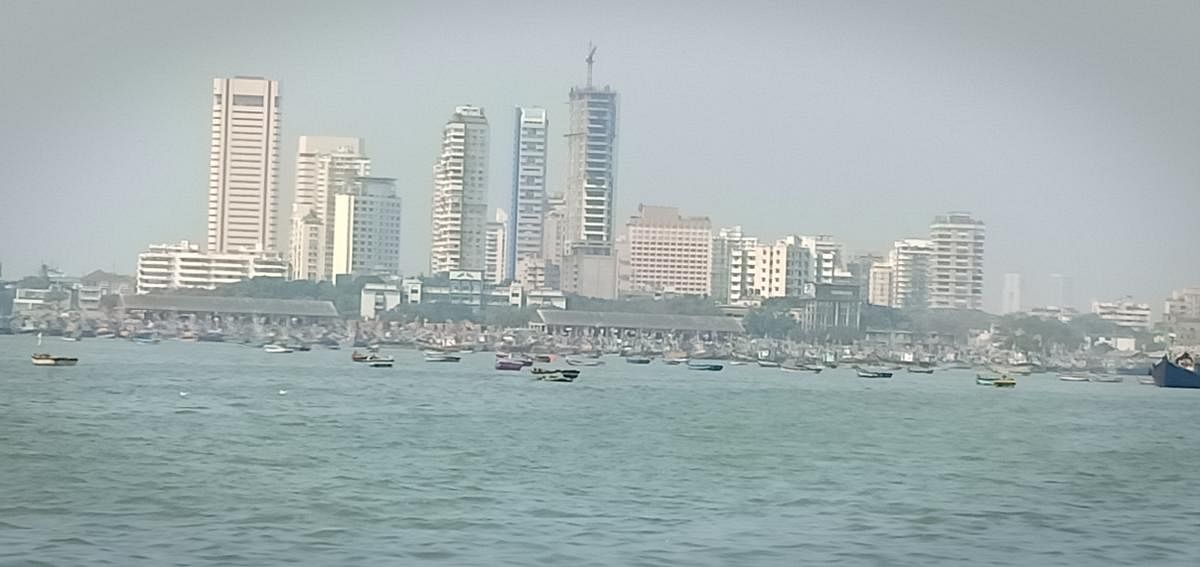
(916, 370)
(543, 371)
(982, 380)
(584, 361)
(276, 349)
(188, 337)
(69, 339)
(709, 366)
(441, 357)
(674, 361)
(1106, 378)
(509, 364)
(543, 358)
(873, 373)
(1178, 374)
(43, 359)
(216, 336)
(382, 363)
(768, 364)
(637, 359)
(568, 375)
(1005, 382)
(801, 368)
(1073, 377)
(1146, 381)
(370, 357)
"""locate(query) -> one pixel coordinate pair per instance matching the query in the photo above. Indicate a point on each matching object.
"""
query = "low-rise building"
(366, 228)
(1063, 314)
(183, 265)
(828, 307)
(377, 298)
(1183, 304)
(1124, 312)
(535, 272)
(612, 324)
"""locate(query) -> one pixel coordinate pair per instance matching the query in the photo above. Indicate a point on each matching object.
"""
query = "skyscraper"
(1062, 293)
(495, 268)
(1011, 298)
(910, 261)
(956, 267)
(326, 166)
(528, 209)
(243, 164)
(366, 237)
(733, 256)
(589, 264)
(460, 193)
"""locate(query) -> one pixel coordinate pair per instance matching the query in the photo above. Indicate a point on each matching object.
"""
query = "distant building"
(183, 265)
(1063, 314)
(1062, 291)
(537, 273)
(93, 287)
(828, 307)
(326, 166)
(459, 213)
(733, 266)
(1124, 312)
(1183, 304)
(611, 324)
(554, 229)
(366, 234)
(589, 275)
(209, 308)
(376, 298)
(1011, 300)
(495, 266)
(826, 256)
(528, 209)
(880, 284)
(591, 168)
(668, 252)
(956, 265)
(472, 290)
(781, 269)
(911, 262)
(243, 165)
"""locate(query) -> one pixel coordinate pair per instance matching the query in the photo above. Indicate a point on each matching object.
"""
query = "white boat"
(584, 361)
(1106, 378)
(69, 339)
(768, 363)
(441, 357)
(43, 359)
(1073, 378)
(276, 349)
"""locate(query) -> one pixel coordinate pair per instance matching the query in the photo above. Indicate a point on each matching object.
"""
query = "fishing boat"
(382, 363)
(441, 357)
(1146, 381)
(873, 373)
(44, 359)
(69, 339)
(801, 368)
(768, 364)
(543, 371)
(919, 370)
(1178, 374)
(276, 349)
(982, 380)
(584, 361)
(637, 359)
(1005, 382)
(370, 357)
(543, 358)
(709, 366)
(509, 364)
(1106, 378)
(567, 375)
(1073, 377)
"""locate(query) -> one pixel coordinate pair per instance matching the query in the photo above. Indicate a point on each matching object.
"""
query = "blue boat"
(1178, 374)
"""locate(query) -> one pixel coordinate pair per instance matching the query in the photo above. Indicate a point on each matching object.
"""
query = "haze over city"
(1071, 129)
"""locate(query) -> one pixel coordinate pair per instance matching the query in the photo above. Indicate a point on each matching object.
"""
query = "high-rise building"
(460, 193)
(668, 252)
(1124, 312)
(326, 166)
(183, 265)
(495, 268)
(910, 260)
(243, 165)
(1183, 304)
(591, 190)
(535, 272)
(956, 266)
(733, 257)
(366, 232)
(781, 269)
(881, 285)
(826, 254)
(1011, 298)
(554, 229)
(1062, 293)
(528, 208)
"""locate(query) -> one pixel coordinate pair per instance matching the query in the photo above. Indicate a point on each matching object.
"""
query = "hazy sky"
(1071, 128)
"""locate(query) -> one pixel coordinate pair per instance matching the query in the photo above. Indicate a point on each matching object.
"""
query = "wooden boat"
(708, 366)
(380, 363)
(802, 368)
(543, 358)
(509, 364)
(44, 359)
(543, 371)
(982, 380)
(370, 357)
(637, 359)
(567, 375)
(1146, 381)
(1178, 374)
(768, 364)
(1106, 378)
(1073, 377)
(873, 373)
(1005, 382)
(584, 361)
(441, 357)
(918, 370)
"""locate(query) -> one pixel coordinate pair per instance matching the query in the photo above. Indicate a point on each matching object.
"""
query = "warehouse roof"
(243, 305)
(640, 321)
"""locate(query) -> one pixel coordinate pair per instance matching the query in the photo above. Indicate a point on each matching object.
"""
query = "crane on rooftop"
(591, 59)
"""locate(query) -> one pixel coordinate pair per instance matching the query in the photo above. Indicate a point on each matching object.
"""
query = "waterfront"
(653, 465)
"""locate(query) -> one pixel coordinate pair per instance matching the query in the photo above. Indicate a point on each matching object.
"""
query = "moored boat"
(1073, 377)
(1178, 374)
(370, 358)
(509, 364)
(982, 380)
(873, 373)
(584, 361)
(1106, 378)
(44, 359)
(441, 357)
(637, 359)
(1004, 382)
(768, 364)
(919, 370)
(566, 375)
(709, 366)
(276, 349)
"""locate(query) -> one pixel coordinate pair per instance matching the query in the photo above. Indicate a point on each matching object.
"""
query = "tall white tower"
(528, 209)
(243, 164)
(956, 266)
(460, 179)
(326, 166)
(1011, 300)
(592, 167)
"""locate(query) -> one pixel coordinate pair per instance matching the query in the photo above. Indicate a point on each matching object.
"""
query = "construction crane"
(591, 59)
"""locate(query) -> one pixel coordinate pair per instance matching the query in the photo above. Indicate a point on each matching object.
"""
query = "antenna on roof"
(591, 59)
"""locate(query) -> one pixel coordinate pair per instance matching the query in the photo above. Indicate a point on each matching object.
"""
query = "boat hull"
(1169, 375)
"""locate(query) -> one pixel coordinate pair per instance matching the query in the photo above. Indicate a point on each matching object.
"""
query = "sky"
(1071, 128)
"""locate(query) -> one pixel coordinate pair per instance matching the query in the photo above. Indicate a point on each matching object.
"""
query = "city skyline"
(1039, 224)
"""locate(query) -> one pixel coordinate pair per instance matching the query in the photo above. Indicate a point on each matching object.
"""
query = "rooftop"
(241, 305)
(640, 321)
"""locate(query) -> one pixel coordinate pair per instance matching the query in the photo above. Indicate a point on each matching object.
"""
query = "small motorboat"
(69, 339)
(1146, 381)
(543, 358)
(276, 349)
(768, 363)
(441, 357)
(1074, 378)
(370, 358)
(919, 370)
(637, 359)
(1106, 378)
(380, 363)
(559, 376)
(708, 366)
(509, 364)
(584, 361)
(1004, 382)
(982, 380)
(44, 359)
(873, 373)
(674, 361)
(543, 371)
(801, 368)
